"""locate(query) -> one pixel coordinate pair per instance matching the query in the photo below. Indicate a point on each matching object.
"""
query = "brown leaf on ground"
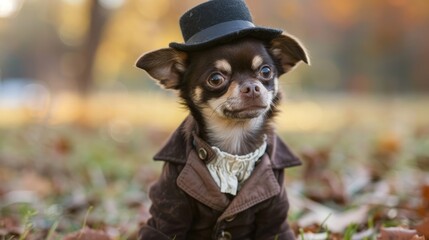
(388, 143)
(424, 207)
(9, 228)
(416, 237)
(423, 228)
(333, 220)
(422, 162)
(322, 183)
(36, 183)
(386, 148)
(87, 234)
(62, 146)
(397, 233)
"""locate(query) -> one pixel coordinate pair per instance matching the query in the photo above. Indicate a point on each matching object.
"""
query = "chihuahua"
(224, 166)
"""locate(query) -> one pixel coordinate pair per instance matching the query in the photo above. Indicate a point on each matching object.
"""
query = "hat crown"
(212, 13)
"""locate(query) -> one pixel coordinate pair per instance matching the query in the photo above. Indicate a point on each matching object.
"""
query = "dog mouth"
(246, 112)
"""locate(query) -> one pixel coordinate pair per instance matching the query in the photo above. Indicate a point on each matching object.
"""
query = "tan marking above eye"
(257, 62)
(223, 65)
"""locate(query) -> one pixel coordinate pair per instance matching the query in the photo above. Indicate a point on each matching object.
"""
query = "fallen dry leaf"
(322, 183)
(62, 146)
(422, 162)
(396, 233)
(9, 228)
(333, 220)
(35, 182)
(416, 237)
(388, 143)
(424, 208)
(423, 228)
(386, 148)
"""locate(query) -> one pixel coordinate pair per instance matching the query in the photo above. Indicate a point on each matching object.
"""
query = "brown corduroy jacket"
(187, 204)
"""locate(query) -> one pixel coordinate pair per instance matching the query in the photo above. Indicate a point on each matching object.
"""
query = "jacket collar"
(182, 142)
(196, 181)
(186, 148)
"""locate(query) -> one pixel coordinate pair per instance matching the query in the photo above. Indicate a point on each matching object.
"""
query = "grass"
(323, 227)
(350, 231)
(62, 174)
(28, 225)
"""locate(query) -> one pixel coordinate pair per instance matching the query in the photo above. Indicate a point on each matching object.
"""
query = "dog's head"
(236, 82)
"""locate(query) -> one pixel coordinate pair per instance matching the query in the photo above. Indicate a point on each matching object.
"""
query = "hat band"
(218, 30)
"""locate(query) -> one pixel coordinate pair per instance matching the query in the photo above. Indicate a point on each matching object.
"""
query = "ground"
(82, 169)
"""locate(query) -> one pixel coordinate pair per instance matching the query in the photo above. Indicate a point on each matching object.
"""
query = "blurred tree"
(98, 16)
(54, 42)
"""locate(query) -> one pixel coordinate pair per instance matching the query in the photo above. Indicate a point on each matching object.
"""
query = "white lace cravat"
(230, 171)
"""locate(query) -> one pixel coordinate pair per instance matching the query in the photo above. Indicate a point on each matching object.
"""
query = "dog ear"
(164, 65)
(288, 51)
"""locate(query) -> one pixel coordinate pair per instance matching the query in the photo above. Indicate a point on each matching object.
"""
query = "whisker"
(216, 108)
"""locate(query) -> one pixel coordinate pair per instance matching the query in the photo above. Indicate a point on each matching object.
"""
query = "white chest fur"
(230, 136)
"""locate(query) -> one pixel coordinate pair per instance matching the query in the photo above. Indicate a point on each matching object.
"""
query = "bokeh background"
(54, 52)
(79, 123)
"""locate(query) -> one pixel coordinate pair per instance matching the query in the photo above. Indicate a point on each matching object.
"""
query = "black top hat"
(219, 21)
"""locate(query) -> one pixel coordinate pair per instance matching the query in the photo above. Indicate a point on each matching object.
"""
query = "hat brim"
(255, 32)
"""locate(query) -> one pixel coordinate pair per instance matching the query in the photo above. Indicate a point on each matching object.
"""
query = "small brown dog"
(223, 172)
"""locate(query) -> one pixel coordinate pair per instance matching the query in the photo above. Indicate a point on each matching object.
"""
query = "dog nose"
(250, 90)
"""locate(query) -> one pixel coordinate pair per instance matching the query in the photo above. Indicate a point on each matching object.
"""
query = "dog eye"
(215, 80)
(265, 72)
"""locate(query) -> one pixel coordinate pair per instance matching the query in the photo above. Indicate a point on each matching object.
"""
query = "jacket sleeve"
(171, 209)
(271, 220)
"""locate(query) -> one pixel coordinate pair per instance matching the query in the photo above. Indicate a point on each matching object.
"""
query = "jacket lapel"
(196, 181)
(260, 186)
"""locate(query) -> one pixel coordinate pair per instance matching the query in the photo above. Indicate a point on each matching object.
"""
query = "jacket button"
(225, 236)
(202, 153)
(231, 218)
